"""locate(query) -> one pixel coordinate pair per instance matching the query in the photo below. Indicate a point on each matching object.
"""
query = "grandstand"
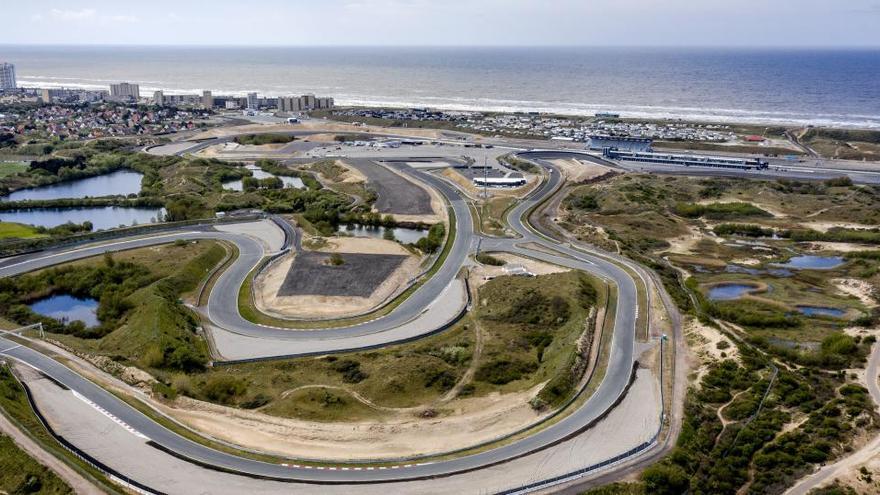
(599, 143)
(687, 160)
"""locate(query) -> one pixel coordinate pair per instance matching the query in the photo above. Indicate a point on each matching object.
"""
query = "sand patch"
(684, 244)
(578, 171)
(860, 289)
(480, 274)
(840, 247)
(463, 422)
(826, 226)
(703, 341)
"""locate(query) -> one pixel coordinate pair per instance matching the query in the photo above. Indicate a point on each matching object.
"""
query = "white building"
(7, 76)
(125, 90)
(253, 103)
(304, 103)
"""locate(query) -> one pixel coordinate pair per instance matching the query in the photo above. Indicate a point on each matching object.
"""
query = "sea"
(770, 86)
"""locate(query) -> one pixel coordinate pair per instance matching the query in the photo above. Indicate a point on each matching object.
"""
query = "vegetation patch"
(267, 138)
(21, 474)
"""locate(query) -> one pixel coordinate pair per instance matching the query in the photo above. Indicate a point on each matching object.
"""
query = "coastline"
(489, 105)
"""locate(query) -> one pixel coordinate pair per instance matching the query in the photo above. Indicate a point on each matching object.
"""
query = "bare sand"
(314, 125)
(269, 281)
(464, 422)
(684, 244)
(826, 226)
(860, 289)
(841, 247)
(578, 171)
(480, 274)
(703, 342)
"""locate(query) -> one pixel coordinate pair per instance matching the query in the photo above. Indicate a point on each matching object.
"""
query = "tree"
(665, 479)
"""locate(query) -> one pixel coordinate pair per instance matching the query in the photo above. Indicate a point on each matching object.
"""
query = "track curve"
(223, 312)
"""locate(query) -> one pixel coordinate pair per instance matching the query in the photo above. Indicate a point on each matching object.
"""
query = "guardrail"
(15, 248)
(111, 473)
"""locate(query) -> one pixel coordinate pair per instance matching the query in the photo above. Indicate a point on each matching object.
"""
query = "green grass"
(492, 215)
(10, 168)
(10, 230)
(321, 404)
(159, 331)
(20, 473)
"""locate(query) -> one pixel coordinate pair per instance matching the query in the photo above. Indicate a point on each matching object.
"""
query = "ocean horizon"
(821, 87)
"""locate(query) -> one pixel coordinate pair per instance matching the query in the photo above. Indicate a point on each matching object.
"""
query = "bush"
(665, 479)
(746, 230)
(585, 202)
(433, 240)
(260, 139)
(502, 371)
(490, 260)
(350, 370)
(719, 211)
(224, 388)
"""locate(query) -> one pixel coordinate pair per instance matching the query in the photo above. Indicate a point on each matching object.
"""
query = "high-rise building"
(253, 102)
(207, 99)
(7, 76)
(159, 98)
(308, 102)
(125, 90)
(290, 104)
(325, 103)
(303, 103)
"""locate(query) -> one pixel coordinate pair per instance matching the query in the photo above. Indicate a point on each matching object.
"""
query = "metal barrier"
(111, 473)
(25, 247)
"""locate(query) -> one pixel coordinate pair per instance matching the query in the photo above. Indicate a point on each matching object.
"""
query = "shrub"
(350, 370)
(224, 388)
(488, 259)
(719, 211)
(502, 371)
(586, 202)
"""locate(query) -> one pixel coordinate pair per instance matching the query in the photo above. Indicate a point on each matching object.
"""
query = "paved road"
(222, 310)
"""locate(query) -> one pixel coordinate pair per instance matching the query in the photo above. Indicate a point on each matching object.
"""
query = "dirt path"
(468, 375)
(76, 481)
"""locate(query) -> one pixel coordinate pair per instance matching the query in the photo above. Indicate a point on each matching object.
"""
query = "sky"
(735, 23)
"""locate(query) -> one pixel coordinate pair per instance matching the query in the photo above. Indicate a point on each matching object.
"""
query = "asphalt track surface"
(223, 312)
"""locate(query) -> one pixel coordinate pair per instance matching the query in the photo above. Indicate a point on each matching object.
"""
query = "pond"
(102, 217)
(812, 262)
(821, 311)
(258, 173)
(115, 183)
(66, 308)
(729, 292)
(401, 234)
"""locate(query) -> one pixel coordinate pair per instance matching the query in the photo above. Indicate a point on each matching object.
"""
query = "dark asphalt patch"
(396, 195)
(359, 275)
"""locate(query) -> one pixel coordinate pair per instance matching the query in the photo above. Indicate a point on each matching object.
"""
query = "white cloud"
(73, 15)
(86, 16)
